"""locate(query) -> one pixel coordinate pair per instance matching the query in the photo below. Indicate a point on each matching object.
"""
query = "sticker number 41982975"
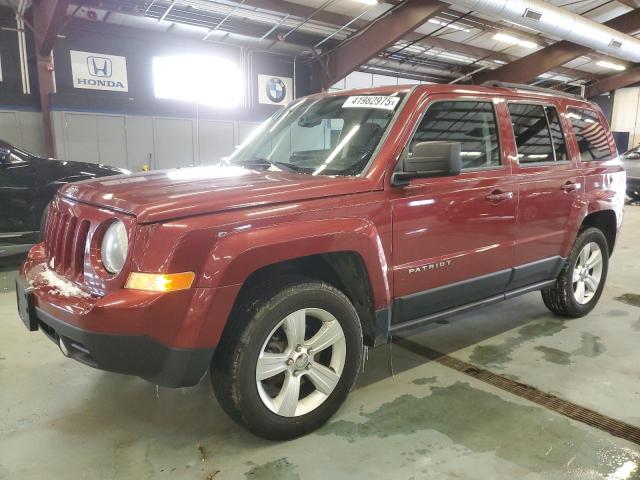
(372, 101)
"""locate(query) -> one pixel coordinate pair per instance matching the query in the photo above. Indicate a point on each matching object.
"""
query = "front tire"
(581, 281)
(289, 360)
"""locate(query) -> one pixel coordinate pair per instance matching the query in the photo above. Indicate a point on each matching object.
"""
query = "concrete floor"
(60, 419)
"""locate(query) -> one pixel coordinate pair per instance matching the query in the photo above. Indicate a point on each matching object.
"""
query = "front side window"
(591, 136)
(538, 133)
(472, 123)
(334, 135)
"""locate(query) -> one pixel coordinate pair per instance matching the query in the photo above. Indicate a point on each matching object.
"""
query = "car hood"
(171, 194)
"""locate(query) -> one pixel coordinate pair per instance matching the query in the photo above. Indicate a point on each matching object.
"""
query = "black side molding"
(418, 310)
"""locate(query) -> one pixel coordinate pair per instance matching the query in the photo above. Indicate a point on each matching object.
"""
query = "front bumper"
(129, 354)
(166, 338)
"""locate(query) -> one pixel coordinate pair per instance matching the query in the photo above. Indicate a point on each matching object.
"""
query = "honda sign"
(96, 71)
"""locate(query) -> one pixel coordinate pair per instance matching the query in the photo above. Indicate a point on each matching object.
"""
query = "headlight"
(115, 246)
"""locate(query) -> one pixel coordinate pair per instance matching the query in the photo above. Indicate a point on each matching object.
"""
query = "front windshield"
(334, 135)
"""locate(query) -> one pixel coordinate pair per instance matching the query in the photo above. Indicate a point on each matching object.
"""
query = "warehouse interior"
(505, 391)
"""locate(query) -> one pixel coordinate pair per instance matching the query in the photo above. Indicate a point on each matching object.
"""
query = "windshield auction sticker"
(372, 101)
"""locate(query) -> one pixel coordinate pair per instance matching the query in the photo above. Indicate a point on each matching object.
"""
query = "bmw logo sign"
(276, 90)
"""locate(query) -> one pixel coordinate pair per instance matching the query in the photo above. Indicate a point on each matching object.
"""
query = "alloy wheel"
(301, 362)
(587, 273)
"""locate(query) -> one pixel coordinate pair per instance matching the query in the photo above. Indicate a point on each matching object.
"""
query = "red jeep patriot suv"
(346, 218)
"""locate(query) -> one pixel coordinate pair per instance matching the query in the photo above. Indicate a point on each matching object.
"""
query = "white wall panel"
(81, 137)
(626, 115)
(139, 142)
(358, 80)
(132, 142)
(32, 132)
(383, 80)
(112, 140)
(9, 127)
(244, 130)
(173, 141)
(215, 140)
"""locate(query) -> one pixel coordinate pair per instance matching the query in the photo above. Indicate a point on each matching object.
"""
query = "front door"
(453, 236)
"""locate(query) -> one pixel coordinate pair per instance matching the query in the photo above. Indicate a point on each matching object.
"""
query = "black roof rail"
(532, 88)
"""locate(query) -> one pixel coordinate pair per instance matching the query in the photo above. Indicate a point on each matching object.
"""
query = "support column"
(48, 20)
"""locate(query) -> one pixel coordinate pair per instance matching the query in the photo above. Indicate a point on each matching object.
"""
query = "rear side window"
(557, 137)
(471, 123)
(538, 133)
(590, 134)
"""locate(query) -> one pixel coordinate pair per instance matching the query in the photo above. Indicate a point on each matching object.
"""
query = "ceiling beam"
(631, 3)
(489, 55)
(614, 82)
(48, 19)
(553, 56)
(377, 36)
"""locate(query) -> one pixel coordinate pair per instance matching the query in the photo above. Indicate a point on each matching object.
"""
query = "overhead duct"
(558, 22)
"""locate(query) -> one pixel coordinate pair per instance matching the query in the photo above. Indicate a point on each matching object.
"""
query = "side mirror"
(5, 154)
(428, 159)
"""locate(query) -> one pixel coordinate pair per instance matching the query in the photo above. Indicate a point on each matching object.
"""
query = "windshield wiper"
(266, 163)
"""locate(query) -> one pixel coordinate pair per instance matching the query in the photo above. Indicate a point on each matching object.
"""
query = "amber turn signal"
(160, 282)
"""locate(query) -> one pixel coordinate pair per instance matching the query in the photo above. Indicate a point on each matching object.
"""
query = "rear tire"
(581, 281)
(272, 336)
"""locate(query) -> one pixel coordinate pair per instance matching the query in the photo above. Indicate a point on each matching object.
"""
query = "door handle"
(498, 196)
(570, 187)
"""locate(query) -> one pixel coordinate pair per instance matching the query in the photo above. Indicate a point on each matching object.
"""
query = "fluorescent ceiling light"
(506, 38)
(611, 65)
(545, 75)
(455, 56)
(500, 62)
(203, 79)
(452, 26)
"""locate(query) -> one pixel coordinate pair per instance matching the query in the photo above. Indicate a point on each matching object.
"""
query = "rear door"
(604, 177)
(550, 187)
(453, 236)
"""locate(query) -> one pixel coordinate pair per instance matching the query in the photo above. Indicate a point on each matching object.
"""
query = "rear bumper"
(129, 354)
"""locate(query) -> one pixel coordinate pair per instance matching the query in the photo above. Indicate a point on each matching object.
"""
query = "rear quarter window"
(591, 135)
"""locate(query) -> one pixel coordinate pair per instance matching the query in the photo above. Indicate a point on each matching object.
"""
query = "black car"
(631, 161)
(27, 185)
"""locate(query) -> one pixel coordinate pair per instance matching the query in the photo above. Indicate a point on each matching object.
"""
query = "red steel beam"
(48, 18)
(378, 35)
(548, 58)
(614, 82)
